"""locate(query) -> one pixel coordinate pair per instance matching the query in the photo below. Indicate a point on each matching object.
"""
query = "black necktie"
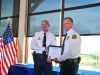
(44, 45)
(44, 40)
(64, 39)
(63, 43)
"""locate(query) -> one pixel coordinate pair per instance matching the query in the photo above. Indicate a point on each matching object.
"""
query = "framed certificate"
(54, 51)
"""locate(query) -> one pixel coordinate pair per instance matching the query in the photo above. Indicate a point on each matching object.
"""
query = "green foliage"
(91, 57)
(91, 60)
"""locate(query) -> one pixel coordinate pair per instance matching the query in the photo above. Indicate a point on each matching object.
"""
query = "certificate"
(54, 51)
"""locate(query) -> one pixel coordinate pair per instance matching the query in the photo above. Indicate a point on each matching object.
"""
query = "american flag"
(8, 51)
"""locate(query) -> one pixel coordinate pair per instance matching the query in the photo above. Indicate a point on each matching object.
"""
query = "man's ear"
(72, 24)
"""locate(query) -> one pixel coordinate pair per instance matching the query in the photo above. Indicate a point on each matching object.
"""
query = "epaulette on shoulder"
(33, 35)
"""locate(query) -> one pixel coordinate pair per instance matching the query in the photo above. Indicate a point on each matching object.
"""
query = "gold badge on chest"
(39, 38)
(67, 37)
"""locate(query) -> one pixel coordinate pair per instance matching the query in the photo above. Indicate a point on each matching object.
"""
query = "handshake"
(49, 60)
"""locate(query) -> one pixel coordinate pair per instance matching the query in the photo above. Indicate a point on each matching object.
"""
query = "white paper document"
(54, 51)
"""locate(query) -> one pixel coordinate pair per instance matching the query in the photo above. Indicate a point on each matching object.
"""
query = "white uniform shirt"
(72, 47)
(37, 41)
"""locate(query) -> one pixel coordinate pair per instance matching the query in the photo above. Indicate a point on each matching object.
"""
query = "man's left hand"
(56, 61)
(46, 49)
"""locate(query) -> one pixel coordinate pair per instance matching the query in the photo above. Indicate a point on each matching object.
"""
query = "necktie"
(44, 45)
(44, 40)
(63, 43)
(64, 39)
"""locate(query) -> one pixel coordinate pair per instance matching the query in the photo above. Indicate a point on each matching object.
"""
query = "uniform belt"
(41, 56)
(76, 60)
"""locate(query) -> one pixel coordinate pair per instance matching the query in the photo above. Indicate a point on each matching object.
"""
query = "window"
(43, 5)
(35, 23)
(90, 51)
(9, 8)
(86, 21)
(86, 18)
(74, 3)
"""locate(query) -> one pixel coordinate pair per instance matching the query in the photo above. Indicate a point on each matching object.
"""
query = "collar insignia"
(39, 38)
(67, 37)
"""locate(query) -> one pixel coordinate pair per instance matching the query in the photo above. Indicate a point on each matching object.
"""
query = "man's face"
(67, 24)
(45, 26)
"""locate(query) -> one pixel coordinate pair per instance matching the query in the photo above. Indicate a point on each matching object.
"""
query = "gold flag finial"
(9, 20)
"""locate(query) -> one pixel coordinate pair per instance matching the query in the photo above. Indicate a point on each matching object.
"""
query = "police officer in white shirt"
(40, 60)
(71, 50)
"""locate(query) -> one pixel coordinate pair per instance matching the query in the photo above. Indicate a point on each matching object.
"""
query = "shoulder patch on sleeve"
(33, 35)
(74, 36)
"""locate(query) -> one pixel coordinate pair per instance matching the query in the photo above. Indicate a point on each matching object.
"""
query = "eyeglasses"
(44, 24)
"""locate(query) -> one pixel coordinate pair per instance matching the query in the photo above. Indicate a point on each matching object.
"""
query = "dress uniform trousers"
(70, 66)
(41, 64)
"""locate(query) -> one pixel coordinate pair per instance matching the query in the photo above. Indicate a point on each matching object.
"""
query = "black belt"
(75, 60)
(41, 56)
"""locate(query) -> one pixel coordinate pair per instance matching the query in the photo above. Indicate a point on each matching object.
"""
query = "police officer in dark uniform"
(71, 50)
(40, 42)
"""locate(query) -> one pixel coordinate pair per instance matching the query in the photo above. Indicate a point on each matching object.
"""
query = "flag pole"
(9, 20)
(12, 33)
(10, 27)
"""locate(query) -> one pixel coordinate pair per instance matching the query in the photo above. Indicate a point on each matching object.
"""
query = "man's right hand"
(49, 59)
